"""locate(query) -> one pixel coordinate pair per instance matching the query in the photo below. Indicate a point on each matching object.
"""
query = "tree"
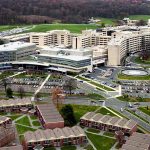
(21, 92)
(9, 92)
(70, 84)
(141, 23)
(68, 114)
(5, 83)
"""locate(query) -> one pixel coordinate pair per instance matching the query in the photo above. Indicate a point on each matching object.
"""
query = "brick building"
(49, 116)
(108, 123)
(55, 138)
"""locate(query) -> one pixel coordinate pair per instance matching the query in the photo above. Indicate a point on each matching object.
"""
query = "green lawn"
(93, 130)
(33, 117)
(36, 123)
(21, 129)
(95, 96)
(6, 27)
(107, 21)
(109, 134)
(144, 110)
(24, 121)
(80, 110)
(50, 148)
(6, 74)
(14, 117)
(89, 147)
(127, 77)
(101, 142)
(139, 17)
(104, 111)
(75, 28)
(133, 99)
(140, 61)
(69, 147)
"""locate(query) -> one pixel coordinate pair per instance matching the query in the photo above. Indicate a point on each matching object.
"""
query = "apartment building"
(54, 37)
(49, 116)
(7, 135)
(15, 105)
(108, 123)
(55, 138)
(15, 51)
(4, 121)
(138, 141)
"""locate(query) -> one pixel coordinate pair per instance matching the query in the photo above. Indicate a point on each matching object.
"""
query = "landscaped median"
(98, 85)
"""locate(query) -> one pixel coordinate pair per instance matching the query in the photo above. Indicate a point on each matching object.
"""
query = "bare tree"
(21, 92)
(70, 84)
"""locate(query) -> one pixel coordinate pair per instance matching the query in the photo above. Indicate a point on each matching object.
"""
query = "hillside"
(68, 11)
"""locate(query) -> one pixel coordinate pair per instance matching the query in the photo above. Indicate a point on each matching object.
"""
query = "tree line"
(68, 11)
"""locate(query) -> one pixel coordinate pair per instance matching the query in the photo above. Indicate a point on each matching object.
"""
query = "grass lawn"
(6, 74)
(36, 123)
(21, 129)
(104, 111)
(109, 134)
(14, 117)
(93, 130)
(133, 99)
(50, 148)
(33, 117)
(68, 147)
(101, 142)
(75, 28)
(127, 77)
(95, 96)
(6, 27)
(82, 78)
(24, 121)
(138, 60)
(89, 147)
(144, 110)
(139, 17)
(107, 21)
(80, 110)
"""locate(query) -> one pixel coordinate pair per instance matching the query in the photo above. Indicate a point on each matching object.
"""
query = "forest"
(68, 11)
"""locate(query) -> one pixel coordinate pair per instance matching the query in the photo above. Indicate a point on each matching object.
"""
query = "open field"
(75, 28)
(101, 142)
(127, 77)
(139, 17)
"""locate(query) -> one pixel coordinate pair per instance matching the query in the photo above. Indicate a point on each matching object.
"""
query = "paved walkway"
(38, 90)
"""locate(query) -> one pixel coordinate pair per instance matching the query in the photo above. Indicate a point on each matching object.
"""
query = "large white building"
(15, 51)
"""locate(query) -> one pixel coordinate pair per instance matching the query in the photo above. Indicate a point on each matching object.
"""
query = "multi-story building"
(4, 121)
(55, 138)
(49, 116)
(54, 37)
(15, 51)
(108, 123)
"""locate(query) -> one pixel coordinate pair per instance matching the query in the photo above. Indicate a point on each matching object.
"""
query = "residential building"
(138, 141)
(49, 116)
(108, 123)
(7, 135)
(55, 138)
(15, 105)
(4, 121)
(15, 51)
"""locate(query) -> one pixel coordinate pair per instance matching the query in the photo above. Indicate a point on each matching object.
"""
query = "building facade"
(108, 123)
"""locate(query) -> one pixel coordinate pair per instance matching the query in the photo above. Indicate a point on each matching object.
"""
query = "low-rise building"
(108, 123)
(16, 147)
(15, 105)
(55, 138)
(49, 116)
(138, 141)
(4, 121)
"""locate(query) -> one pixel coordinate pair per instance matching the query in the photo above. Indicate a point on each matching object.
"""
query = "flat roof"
(110, 120)
(69, 57)
(14, 46)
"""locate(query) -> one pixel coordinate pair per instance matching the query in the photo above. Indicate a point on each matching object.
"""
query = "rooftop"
(14, 46)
